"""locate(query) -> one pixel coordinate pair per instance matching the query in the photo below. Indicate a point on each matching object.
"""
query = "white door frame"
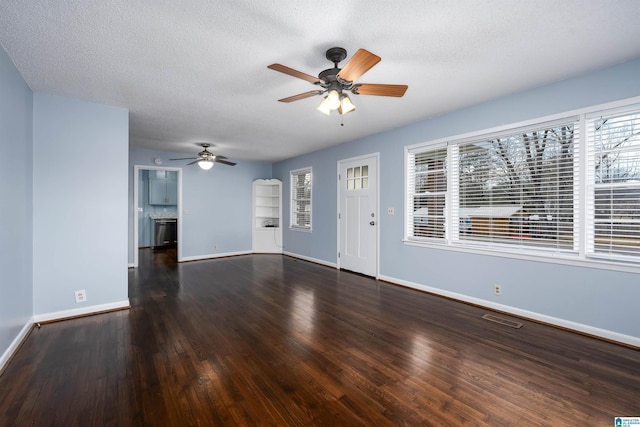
(377, 207)
(136, 177)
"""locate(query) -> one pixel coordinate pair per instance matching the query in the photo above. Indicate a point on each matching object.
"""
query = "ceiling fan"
(206, 158)
(334, 81)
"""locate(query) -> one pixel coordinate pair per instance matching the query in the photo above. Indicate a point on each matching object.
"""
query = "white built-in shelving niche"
(267, 215)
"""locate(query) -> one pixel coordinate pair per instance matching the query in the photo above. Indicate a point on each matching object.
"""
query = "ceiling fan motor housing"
(205, 153)
(330, 76)
(336, 55)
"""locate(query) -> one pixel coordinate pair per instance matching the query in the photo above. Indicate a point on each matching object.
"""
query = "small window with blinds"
(517, 188)
(613, 201)
(300, 216)
(427, 193)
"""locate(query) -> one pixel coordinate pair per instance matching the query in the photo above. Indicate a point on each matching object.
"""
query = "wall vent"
(502, 321)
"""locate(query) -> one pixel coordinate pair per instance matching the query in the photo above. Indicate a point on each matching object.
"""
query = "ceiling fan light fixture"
(346, 106)
(333, 99)
(324, 107)
(205, 164)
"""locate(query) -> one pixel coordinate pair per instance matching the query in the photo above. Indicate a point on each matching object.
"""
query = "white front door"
(358, 214)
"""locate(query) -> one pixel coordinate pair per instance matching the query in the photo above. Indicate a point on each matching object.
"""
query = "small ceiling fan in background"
(206, 158)
(334, 81)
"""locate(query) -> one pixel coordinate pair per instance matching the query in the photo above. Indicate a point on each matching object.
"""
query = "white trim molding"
(525, 314)
(310, 259)
(211, 256)
(84, 311)
(134, 207)
(15, 344)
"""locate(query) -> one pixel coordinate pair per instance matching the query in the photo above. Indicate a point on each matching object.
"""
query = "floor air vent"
(502, 321)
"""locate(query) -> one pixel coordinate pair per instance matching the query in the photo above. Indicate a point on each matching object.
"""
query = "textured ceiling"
(196, 71)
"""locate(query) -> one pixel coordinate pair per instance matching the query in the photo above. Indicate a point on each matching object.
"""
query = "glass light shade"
(324, 107)
(205, 164)
(346, 106)
(333, 99)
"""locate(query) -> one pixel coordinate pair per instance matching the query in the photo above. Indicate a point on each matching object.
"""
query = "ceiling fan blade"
(379, 89)
(294, 73)
(359, 64)
(194, 162)
(184, 158)
(301, 96)
(217, 160)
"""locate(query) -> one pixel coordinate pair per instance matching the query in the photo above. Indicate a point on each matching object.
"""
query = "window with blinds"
(300, 217)
(427, 185)
(514, 188)
(564, 188)
(517, 188)
(613, 202)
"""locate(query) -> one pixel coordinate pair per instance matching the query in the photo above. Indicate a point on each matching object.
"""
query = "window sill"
(302, 229)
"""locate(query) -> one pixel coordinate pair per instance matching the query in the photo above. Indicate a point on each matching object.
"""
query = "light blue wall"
(217, 203)
(16, 150)
(596, 298)
(79, 203)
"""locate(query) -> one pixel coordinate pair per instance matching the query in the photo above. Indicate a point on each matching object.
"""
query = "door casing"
(136, 177)
(375, 161)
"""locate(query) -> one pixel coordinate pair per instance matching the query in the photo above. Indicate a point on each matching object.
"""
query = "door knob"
(372, 223)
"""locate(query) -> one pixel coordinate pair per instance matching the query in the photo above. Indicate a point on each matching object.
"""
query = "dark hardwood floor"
(269, 340)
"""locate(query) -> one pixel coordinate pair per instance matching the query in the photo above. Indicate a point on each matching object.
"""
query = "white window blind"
(427, 193)
(613, 203)
(567, 188)
(300, 216)
(518, 188)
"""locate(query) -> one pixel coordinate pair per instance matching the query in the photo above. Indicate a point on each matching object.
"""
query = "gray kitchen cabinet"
(163, 191)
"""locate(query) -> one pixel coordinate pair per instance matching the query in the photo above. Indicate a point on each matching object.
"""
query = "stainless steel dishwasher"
(165, 233)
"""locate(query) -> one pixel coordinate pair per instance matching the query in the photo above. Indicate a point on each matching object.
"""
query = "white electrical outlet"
(81, 296)
(497, 289)
(390, 211)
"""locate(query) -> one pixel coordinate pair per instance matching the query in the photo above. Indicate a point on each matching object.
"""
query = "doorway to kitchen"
(157, 207)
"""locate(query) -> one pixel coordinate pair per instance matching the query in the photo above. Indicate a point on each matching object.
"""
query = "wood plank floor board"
(270, 340)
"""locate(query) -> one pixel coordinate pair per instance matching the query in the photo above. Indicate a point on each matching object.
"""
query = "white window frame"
(424, 221)
(592, 186)
(583, 225)
(294, 202)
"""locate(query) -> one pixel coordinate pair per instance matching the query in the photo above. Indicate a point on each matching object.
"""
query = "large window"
(614, 177)
(300, 217)
(539, 189)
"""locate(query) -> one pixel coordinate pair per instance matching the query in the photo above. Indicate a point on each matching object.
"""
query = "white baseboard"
(92, 309)
(314, 260)
(567, 324)
(210, 256)
(15, 344)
